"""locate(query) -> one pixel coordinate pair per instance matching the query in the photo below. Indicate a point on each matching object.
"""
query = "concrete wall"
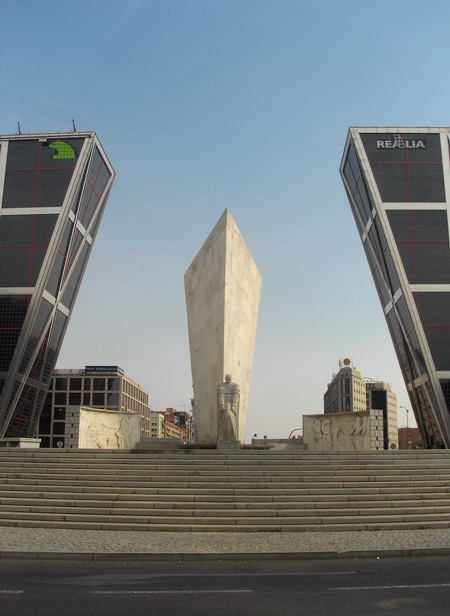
(359, 431)
(222, 288)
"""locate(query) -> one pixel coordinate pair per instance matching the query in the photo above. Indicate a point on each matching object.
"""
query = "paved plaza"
(92, 544)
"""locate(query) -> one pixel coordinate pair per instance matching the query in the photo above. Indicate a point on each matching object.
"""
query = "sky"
(207, 104)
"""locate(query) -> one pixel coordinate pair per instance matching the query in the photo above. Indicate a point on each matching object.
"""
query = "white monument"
(222, 288)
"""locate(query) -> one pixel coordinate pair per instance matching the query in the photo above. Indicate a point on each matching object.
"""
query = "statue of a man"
(228, 395)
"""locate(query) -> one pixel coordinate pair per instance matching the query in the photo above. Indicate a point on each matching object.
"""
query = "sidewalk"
(44, 543)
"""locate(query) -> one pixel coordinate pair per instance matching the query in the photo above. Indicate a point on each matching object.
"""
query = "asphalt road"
(369, 587)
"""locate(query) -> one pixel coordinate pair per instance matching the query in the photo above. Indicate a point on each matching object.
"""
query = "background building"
(172, 424)
(409, 438)
(348, 392)
(380, 396)
(397, 181)
(156, 424)
(183, 420)
(53, 189)
(96, 387)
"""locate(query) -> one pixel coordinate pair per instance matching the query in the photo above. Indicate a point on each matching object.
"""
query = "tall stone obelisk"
(222, 288)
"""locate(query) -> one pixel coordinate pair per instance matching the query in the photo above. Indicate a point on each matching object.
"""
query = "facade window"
(75, 384)
(59, 413)
(45, 421)
(61, 384)
(75, 398)
(98, 399)
(99, 385)
(114, 384)
(58, 427)
(60, 398)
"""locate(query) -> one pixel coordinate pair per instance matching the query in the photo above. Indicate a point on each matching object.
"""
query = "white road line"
(11, 592)
(388, 587)
(210, 575)
(163, 592)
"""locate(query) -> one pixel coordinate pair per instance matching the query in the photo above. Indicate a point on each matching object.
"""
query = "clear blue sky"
(207, 104)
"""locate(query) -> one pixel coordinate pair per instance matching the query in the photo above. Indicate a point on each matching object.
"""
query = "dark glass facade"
(395, 183)
(54, 190)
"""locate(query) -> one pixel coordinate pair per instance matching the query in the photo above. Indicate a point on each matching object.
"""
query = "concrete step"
(219, 521)
(94, 511)
(193, 484)
(242, 456)
(204, 500)
(215, 491)
(186, 527)
(237, 465)
(232, 460)
(222, 475)
(409, 490)
(244, 505)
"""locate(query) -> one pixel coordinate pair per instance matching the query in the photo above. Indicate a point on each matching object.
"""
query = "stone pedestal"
(229, 445)
(158, 444)
(22, 443)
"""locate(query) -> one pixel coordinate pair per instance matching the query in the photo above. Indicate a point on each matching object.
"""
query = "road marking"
(11, 592)
(187, 575)
(388, 587)
(163, 592)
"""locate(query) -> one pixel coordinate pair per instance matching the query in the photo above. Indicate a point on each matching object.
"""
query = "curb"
(236, 556)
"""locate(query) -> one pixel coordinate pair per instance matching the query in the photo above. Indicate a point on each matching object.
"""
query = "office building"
(346, 392)
(95, 387)
(349, 392)
(156, 424)
(398, 181)
(184, 421)
(381, 397)
(409, 438)
(53, 190)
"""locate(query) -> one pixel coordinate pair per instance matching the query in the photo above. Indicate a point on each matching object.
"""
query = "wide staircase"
(209, 490)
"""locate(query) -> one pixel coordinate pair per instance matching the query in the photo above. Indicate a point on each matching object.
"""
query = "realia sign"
(398, 143)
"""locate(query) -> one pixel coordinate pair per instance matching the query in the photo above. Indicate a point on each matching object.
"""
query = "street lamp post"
(295, 430)
(407, 427)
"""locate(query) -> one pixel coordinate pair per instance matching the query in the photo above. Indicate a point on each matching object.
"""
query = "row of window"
(85, 384)
(109, 400)
(98, 384)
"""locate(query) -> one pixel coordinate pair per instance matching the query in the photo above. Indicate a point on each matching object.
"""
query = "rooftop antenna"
(73, 126)
(18, 128)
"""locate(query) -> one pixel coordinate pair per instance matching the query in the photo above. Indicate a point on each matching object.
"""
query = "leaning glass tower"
(53, 190)
(398, 184)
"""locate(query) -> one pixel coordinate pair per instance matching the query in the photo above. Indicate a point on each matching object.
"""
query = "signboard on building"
(102, 369)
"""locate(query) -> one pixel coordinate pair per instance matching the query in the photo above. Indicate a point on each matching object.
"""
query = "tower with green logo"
(53, 190)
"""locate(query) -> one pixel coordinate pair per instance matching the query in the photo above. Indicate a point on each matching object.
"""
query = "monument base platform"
(229, 445)
(21, 443)
(158, 444)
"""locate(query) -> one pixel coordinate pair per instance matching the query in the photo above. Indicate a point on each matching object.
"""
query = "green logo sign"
(63, 150)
